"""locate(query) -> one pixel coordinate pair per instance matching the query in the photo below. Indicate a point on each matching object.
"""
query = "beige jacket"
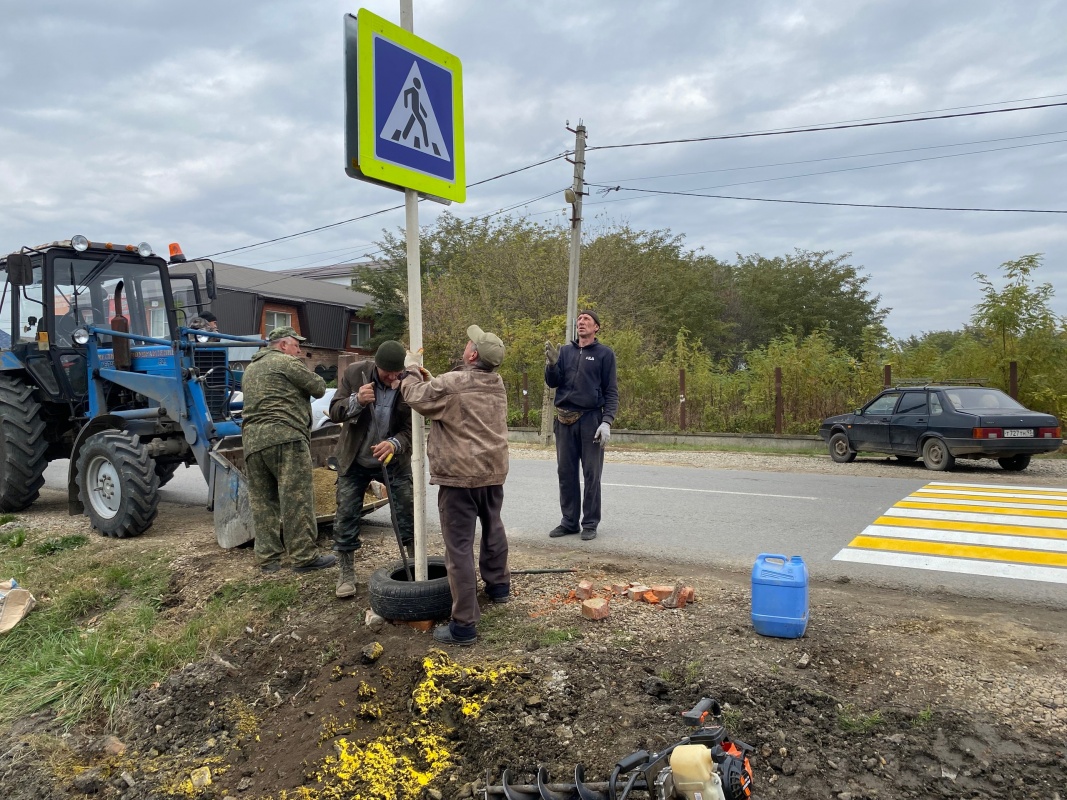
(468, 444)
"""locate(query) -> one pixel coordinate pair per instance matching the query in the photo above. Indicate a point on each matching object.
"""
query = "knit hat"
(592, 314)
(390, 356)
(490, 348)
(285, 332)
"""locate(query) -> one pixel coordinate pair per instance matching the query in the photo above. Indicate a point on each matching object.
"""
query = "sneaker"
(322, 562)
(270, 566)
(442, 634)
(588, 533)
(558, 531)
(499, 601)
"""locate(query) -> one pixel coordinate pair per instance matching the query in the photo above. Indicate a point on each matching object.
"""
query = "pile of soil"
(886, 695)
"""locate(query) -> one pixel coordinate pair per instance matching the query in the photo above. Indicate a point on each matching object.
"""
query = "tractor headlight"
(79, 243)
(144, 249)
(80, 336)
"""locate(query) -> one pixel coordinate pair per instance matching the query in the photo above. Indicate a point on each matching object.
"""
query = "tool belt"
(568, 417)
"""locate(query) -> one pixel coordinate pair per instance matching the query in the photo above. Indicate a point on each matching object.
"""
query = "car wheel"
(1015, 463)
(393, 596)
(936, 455)
(840, 450)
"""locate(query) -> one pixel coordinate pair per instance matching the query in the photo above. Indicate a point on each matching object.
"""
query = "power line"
(842, 158)
(875, 166)
(827, 203)
(817, 129)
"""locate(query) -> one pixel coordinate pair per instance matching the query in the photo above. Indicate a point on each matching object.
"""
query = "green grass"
(99, 630)
(923, 718)
(6, 518)
(58, 544)
(13, 538)
(499, 626)
(852, 721)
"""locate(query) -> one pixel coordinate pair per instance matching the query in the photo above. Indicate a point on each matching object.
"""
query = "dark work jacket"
(356, 427)
(584, 379)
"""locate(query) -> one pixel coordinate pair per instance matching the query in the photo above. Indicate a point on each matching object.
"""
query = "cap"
(592, 314)
(490, 348)
(283, 333)
(390, 356)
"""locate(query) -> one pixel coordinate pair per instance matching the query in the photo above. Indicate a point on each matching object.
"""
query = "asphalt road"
(706, 517)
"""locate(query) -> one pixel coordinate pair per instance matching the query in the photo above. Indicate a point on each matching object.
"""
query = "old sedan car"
(942, 423)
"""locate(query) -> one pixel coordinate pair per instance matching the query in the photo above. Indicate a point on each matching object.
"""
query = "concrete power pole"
(574, 198)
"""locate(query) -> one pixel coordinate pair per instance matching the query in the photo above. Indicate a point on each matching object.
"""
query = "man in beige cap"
(468, 454)
(276, 435)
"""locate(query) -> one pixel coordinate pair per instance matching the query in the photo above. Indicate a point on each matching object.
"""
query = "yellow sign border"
(368, 24)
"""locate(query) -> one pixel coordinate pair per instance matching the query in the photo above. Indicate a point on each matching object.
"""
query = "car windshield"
(979, 399)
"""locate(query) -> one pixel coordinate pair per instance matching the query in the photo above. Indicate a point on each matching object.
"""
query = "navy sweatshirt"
(584, 379)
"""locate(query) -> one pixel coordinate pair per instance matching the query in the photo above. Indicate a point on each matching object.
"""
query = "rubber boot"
(346, 579)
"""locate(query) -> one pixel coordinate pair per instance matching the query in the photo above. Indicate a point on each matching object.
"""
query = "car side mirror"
(209, 279)
(19, 269)
(859, 412)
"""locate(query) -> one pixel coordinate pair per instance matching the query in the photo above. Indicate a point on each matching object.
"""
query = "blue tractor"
(99, 364)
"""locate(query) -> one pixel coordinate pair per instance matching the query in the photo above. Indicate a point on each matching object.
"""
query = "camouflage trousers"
(351, 487)
(281, 490)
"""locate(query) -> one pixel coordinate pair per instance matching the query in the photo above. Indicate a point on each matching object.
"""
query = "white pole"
(418, 431)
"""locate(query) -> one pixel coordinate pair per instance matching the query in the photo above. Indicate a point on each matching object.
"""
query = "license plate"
(1019, 433)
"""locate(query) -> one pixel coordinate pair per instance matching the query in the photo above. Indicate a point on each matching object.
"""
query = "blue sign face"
(414, 123)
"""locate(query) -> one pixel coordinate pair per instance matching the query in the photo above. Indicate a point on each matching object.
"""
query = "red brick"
(619, 588)
(662, 590)
(650, 597)
(690, 595)
(636, 591)
(595, 608)
(584, 590)
(423, 625)
(676, 599)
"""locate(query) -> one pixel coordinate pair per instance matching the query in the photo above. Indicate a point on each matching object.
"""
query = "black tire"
(907, 459)
(166, 471)
(1015, 463)
(22, 445)
(393, 596)
(840, 449)
(117, 484)
(936, 456)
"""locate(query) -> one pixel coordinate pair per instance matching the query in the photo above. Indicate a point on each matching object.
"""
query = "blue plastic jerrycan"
(779, 596)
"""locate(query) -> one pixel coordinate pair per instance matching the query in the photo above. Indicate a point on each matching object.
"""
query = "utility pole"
(573, 197)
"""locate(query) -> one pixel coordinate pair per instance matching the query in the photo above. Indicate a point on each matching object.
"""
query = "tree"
(800, 294)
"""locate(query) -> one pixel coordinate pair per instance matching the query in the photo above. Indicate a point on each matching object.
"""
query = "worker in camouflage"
(276, 435)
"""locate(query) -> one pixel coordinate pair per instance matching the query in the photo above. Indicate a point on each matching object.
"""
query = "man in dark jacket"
(468, 454)
(276, 435)
(377, 426)
(587, 398)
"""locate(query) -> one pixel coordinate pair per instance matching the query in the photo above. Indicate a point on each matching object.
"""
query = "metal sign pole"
(418, 431)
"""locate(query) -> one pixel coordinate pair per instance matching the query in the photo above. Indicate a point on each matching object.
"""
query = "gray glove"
(603, 434)
(551, 354)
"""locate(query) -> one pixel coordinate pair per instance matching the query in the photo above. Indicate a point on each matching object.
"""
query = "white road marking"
(708, 491)
(964, 516)
(992, 569)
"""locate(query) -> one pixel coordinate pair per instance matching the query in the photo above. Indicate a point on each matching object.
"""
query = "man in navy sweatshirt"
(587, 398)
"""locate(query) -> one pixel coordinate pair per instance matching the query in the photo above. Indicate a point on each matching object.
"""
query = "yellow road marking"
(922, 495)
(961, 551)
(973, 527)
(1021, 512)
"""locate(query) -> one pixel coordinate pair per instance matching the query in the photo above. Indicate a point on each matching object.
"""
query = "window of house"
(276, 319)
(359, 334)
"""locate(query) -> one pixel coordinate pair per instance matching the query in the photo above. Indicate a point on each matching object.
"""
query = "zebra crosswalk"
(977, 529)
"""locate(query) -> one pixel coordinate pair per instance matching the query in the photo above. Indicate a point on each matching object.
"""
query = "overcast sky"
(220, 124)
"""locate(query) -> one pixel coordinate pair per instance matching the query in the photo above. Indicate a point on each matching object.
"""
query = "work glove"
(551, 354)
(603, 434)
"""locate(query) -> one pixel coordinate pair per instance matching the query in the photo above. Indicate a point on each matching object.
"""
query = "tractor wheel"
(22, 445)
(394, 596)
(117, 484)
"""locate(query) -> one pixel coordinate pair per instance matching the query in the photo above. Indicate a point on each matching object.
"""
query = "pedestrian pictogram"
(404, 110)
(412, 121)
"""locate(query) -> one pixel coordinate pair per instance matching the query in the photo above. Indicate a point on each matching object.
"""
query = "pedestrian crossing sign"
(404, 110)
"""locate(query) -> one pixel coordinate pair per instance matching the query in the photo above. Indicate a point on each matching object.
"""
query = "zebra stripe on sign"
(970, 528)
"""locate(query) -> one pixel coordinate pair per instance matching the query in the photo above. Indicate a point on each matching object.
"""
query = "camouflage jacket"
(277, 400)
